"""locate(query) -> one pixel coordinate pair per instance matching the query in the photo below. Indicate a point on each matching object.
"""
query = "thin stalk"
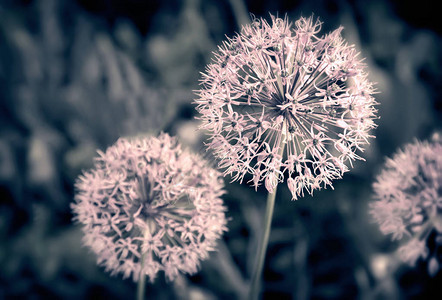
(141, 283)
(262, 249)
(255, 285)
(240, 12)
(141, 287)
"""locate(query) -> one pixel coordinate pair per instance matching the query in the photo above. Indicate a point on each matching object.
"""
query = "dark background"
(76, 75)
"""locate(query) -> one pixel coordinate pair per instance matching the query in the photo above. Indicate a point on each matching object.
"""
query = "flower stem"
(141, 287)
(141, 284)
(240, 12)
(256, 280)
(255, 285)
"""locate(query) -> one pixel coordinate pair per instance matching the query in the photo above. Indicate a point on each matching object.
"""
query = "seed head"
(148, 206)
(275, 87)
(408, 198)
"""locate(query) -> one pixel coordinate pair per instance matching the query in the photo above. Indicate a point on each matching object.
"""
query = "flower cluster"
(149, 206)
(279, 99)
(408, 202)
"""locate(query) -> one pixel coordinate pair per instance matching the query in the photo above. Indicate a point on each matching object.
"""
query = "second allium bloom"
(281, 99)
(408, 204)
(148, 206)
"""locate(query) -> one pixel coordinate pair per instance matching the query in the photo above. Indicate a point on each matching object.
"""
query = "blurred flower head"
(148, 206)
(280, 98)
(408, 194)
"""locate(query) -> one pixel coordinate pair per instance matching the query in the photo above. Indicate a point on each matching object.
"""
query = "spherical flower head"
(148, 206)
(280, 98)
(408, 199)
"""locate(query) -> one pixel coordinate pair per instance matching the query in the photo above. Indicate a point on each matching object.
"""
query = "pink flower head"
(277, 87)
(148, 206)
(408, 194)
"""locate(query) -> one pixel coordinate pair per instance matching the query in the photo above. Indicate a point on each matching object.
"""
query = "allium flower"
(412, 251)
(148, 206)
(281, 99)
(408, 195)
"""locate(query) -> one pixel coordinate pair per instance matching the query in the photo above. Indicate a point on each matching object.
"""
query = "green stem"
(141, 283)
(256, 280)
(141, 287)
(240, 12)
(262, 247)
